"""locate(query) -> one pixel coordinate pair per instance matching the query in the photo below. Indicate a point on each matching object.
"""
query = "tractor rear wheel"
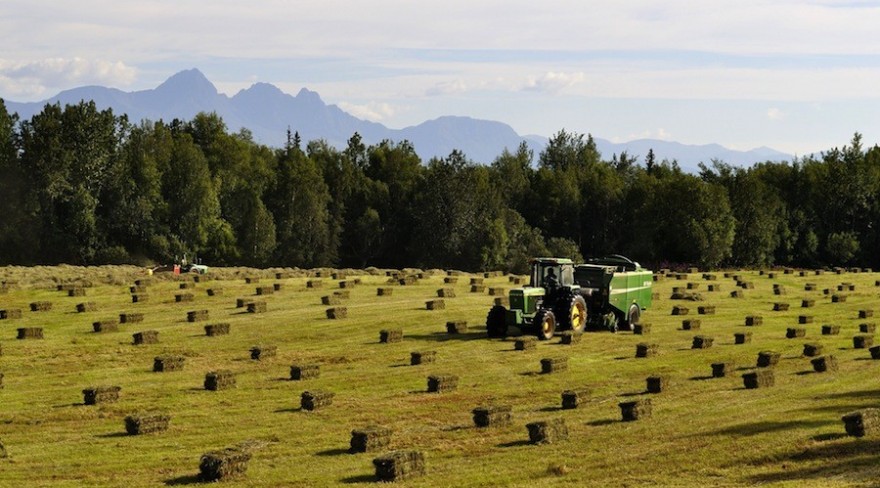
(545, 324)
(633, 316)
(496, 322)
(572, 313)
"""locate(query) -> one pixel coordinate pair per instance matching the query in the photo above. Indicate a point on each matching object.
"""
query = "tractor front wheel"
(545, 324)
(496, 322)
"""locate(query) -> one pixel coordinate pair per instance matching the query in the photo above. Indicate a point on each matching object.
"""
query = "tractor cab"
(551, 272)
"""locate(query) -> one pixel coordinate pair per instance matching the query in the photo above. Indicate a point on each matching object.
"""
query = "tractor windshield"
(544, 274)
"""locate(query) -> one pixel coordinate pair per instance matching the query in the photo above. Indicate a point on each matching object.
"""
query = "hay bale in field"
(573, 398)
(315, 399)
(805, 319)
(679, 310)
(146, 423)
(867, 328)
(342, 294)
(709, 277)
(76, 292)
(702, 342)
(256, 307)
(570, 337)
(810, 287)
(333, 299)
(525, 343)
(693, 286)
(146, 337)
(143, 282)
(861, 423)
(131, 318)
(476, 281)
(502, 301)
(457, 327)
(795, 332)
(706, 310)
(830, 329)
(299, 372)
(408, 280)
(282, 276)
(635, 409)
(10, 314)
(691, 324)
(346, 285)
(86, 307)
(213, 330)
(641, 329)
(387, 336)
(554, 365)
(742, 337)
(779, 290)
(497, 291)
(369, 439)
(771, 276)
(263, 352)
(723, 369)
(101, 394)
(780, 307)
(819, 272)
(187, 285)
(808, 302)
(337, 313)
(219, 380)
(277, 286)
(438, 304)
(214, 292)
(446, 293)
(167, 363)
(41, 306)
(265, 290)
(838, 298)
(746, 285)
(140, 298)
(30, 333)
(657, 383)
(875, 352)
(737, 294)
(645, 350)
(105, 326)
(422, 357)
(338, 276)
(222, 465)
(824, 364)
(184, 297)
(714, 287)
(442, 383)
(450, 280)
(681, 276)
(767, 359)
(812, 349)
(478, 288)
(761, 378)
(827, 291)
(384, 291)
(251, 280)
(863, 341)
(547, 431)
(314, 284)
(865, 314)
(197, 316)
(494, 415)
(754, 320)
(399, 465)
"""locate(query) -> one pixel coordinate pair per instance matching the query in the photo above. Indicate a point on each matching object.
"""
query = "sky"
(797, 76)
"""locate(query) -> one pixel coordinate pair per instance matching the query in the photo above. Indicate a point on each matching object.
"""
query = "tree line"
(84, 186)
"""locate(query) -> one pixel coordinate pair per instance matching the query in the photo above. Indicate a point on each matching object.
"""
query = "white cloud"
(774, 113)
(375, 111)
(36, 77)
(447, 88)
(553, 82)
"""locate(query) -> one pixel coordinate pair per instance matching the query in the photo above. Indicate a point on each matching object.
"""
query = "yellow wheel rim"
(577, 316)
(546, 326)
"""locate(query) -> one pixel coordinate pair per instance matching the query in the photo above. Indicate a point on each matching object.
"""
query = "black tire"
(544, 324)
(632, 317)
(496, 322)
(571, 313)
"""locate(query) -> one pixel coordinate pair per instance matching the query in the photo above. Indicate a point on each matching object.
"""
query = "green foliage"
(842, 247)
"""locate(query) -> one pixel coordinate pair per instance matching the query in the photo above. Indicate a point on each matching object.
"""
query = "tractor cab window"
(550, 276)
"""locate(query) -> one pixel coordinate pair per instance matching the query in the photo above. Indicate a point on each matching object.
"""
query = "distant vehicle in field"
(609, 292)
(182, 266)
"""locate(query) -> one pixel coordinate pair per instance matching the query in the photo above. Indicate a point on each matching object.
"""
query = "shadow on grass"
(701, 378)
(634, 393)
(828, 437)
(756, 428)
(112, 435)
(333, 452)
(192, 479)
(515, 444)
(854, 459)
(550, 409)
(866, 394)
(289, 410)
(601, 422)
(445, 336)
(364, 478)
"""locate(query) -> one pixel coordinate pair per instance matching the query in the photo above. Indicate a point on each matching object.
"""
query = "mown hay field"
(700, 430)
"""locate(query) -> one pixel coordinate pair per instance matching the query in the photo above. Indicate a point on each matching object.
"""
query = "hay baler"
(616, 290)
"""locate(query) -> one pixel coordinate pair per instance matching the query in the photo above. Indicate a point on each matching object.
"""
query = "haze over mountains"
(267, 112)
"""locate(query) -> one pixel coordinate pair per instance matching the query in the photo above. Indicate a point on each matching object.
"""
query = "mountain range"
(268, 112)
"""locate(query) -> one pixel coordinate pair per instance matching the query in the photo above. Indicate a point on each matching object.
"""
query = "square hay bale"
(780, 307)
(714, 287)
(547, 431)
(838, 298)
(681, 276)
(457, 327)
(86, 307)
(299, 372)
(409, 280)
(767, 359)
(702, 342)
(143, 282)
(442, 383)
(184, 297)
(197, 316)
(645, 350)
(369, 439)
(387, 336)
(222, 465)
(865, 314)
(771, 275)
(30, 333)
(746, 285)
(332, 300)
(256, 307)
(805, 319)
(657, 383)
(861, 423)
(679, 310)
(693, 286)
(635, 409)
(314, 284)
(795, 332)
(243, 302)
(450, 280)
(282, 276)
(251, 280)
(42, 306)
(315, 399)
(754, 320)
(710, 277)
(101, 394)
(824, 364)
(525, 343)
(168, 362)
(438, 304)
(140, 298)
(76, 292)
(742, 337)
(706, 310)
(131, 318)
(761, 378)
(146, 423)
(399, 465)
(810, 287)
(827, 291)
(779, 290)
(446, 293)
(265, 290)
(570, 337)
(867, 328)
(146, 337)
(213, 330)
(10, 314)
(812, 349)
(493, 415)
(641, 329)
(863, 341)
(422, 357)
(737, 294)
(830, 329)
(723, 369)
(875, 352)
(691, 324)
(346, 284)
(503, 301)
(105, 326)
(337, 313)
(478, 288)
(338, 276)
(820, 272)
(808, 302)
(219, 380)
(384, 291)
(497, 291)
(259, 353)
(476, 281)
(214, 292)
(574, 398)
(187, 285)
(554, 365)
(342, 294)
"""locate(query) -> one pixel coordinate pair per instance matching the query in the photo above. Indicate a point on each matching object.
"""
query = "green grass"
(703, 431)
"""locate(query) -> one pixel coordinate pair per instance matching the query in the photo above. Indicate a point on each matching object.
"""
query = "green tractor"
(609, 292)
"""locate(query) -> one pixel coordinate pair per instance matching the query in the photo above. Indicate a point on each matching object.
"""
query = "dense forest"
(84, 186)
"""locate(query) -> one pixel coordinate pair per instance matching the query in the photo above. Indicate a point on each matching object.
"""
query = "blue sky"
(798, 76)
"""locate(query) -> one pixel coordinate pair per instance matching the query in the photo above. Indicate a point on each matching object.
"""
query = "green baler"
(616, 289)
